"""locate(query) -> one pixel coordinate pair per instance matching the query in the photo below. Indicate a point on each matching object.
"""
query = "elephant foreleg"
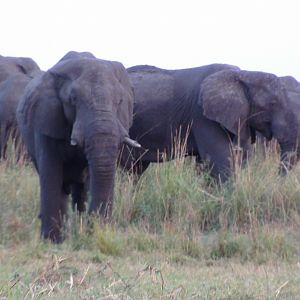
(213, 145)
(139, 167)
(53, 198)
(4, 134)
(79, 197)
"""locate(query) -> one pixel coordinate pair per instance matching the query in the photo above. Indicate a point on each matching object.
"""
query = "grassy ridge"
(173, 222)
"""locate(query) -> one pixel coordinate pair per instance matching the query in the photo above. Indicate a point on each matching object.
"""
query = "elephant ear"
(41, 109)
(223, 99)
(124, 96)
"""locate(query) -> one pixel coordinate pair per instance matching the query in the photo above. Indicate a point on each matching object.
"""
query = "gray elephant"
(73, 117)
(15, 73)
(213, 108)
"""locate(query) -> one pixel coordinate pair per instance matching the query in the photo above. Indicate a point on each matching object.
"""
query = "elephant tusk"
(131, 142)
(73, 142)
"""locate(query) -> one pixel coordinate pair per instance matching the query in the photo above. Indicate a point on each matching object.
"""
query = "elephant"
(74, 118)
(15, 73)
(214, 108)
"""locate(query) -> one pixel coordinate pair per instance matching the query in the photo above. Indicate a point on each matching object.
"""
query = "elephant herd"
(84, 114)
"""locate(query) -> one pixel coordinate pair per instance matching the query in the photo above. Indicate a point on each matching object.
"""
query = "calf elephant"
(76, 115)
(15, 73)
(213, 107)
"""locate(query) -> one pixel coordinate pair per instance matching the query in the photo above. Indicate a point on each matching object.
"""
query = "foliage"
(175, 220)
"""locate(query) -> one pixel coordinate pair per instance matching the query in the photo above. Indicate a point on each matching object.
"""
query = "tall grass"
(175, 208)
(175, 192)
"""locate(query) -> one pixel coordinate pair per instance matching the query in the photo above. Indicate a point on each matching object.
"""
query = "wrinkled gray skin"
(215, 106)
(15, 73)
(76, 115)
(290, 84)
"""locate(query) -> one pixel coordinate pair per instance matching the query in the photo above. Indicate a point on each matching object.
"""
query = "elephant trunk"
(289, 156)
(102, 177)
(102, 153)
(285, 129)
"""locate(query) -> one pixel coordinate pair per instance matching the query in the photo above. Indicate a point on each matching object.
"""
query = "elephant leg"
(213, 145)
(19, 146)
(79, 197)
(140, 167)
(4, 138)
(1, 140)
(53, 198)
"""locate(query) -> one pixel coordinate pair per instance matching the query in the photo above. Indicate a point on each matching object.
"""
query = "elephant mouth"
(266, 131)
(268, 136)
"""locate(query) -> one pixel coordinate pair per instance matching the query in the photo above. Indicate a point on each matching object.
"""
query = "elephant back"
(290, 83)
(151, 84)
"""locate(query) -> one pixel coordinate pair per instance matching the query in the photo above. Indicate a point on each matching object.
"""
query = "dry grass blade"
(280, 288)
(220, 199)
(43, 291)
(15, 280)
(175, 293)
(84, 275)
(111, 295)
(51, 288)
(154, 272)
(58, 261)
(71, 281)
(141, 273)
(118, 275)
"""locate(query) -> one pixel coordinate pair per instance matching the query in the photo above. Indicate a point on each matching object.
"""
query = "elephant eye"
(273, 104)
(73, 99)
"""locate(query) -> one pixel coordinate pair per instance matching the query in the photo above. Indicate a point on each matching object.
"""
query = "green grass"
(175, 234)
(52, 273)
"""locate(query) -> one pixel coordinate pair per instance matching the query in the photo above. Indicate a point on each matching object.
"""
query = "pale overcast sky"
(255, 35)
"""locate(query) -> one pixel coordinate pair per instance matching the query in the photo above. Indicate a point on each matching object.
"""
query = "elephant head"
(246, 101)
(75, 54)
(292, 87)
(17, 65)
(87, 103)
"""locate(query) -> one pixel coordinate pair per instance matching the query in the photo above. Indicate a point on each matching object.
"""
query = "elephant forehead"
(152, 86)
(7, 69)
